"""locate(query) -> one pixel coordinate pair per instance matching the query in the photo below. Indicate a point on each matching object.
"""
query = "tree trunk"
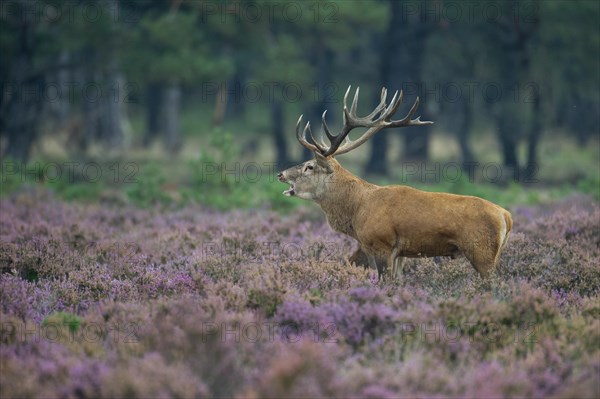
(221, 99)
(112, 110)
(22, 116)
(103, 107)
(417, 143)
(377, 163)
(323, 58)
(62, 105)
(91, 106)
(153, 109)
(22, 124)
(531, 167)
(235, 104)
(508, 143)
(413, 41)
(464, 132)
(172, 127)
(22, 110)
(516, 40)
(279, 134)
(389, 64)
(402, 55)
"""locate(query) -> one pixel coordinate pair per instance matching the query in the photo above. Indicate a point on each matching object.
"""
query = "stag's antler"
(377, 120)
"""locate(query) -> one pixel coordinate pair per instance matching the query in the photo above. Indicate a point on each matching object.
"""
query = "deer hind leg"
(483, 258)
(359, 258)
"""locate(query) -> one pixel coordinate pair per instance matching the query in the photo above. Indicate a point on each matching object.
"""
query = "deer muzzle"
(282, 178)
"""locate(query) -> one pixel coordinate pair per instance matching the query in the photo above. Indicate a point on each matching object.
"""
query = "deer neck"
(342, 199)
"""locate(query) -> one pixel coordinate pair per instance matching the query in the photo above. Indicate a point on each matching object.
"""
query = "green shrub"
(69, 320)
(149, 188)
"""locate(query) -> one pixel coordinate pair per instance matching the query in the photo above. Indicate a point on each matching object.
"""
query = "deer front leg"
(393, 262)
(373, 263)
(398, 267)
(396, 261)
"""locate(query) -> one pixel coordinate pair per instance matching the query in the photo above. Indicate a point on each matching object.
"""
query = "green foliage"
(211, 184)
(11, 177)
(217, 179)
(264, 300)
(221, 181)
(77, 191)
(149, 188)
(590, 185)
(170, 47)
(71, 186)
(69, 320)
(580, 73)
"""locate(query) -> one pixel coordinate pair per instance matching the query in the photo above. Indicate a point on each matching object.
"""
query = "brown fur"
(391, 222)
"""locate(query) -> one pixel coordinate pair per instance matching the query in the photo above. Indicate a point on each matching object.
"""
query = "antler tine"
(326, 129)
(322, 148)
(389, 111)
(345, 113)
(351, 120)
(301, 136)
(408, 121)
(379, 107)
(398, 102)
(354, 102)
(381, 122)
(335, 140)
(378, 119)
(330, 136)
(412, 111)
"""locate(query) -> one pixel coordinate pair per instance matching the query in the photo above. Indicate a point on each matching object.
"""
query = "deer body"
(393, 222)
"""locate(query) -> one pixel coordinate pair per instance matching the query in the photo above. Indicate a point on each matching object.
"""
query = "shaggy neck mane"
(342, 199)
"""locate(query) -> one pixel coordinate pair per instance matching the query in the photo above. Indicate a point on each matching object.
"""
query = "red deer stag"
(393, 222)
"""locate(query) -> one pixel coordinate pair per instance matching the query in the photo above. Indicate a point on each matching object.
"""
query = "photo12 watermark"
(272, 251)
(268, 331)
(72, 92)
(330, 92)
(69, 332)
(69, 172)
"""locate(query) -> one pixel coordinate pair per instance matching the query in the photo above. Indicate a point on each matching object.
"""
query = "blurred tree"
(402, 57)
(169, 48)
(281, 63)
(22, 81)
(56, 56)
(540, 55)
(327, 37)
(92, 43)
(517, 61)
(570, 37)
(515, 106)
(452, 64)
(302, 55)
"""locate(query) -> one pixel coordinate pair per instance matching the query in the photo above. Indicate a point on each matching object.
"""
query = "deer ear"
(323, 162)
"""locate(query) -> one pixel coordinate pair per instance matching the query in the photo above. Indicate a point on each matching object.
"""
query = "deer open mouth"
(290, 191)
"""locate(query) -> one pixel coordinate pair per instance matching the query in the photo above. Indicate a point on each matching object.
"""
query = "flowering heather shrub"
(100, 301)
(149, 376)
(305, 369)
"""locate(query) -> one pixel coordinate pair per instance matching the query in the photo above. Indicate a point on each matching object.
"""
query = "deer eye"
(309, 167)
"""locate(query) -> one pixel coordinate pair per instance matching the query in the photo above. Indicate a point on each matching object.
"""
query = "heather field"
(102, 300)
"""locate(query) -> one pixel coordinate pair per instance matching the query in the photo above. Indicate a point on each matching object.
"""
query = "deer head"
(311, 179)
